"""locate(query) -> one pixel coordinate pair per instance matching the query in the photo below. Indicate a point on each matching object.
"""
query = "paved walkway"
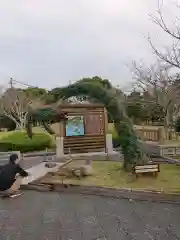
(39, 171)
(54, 216)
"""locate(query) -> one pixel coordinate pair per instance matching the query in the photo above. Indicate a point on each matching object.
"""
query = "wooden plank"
(87, 146)
(146, 167)
(84, 138)
(146, 170)
(149, 168)
(84, 144)
(91, 140)
(84, 147)
(83, 150)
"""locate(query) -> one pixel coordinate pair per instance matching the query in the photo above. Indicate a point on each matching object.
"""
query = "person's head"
(13, 158)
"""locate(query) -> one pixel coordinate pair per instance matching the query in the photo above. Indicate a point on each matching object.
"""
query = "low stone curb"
(165, 160)
(172, 160)
(130, 194)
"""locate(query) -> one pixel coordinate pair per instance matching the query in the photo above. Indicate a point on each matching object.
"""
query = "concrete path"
(39, 171)
(31, 161)
(35, 165)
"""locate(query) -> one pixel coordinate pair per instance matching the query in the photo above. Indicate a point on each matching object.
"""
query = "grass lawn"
(5, 134)
(19, 140)
(175, 157)
(111, 174)
(35, 130)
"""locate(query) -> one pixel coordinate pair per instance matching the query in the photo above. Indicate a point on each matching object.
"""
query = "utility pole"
(11, 83)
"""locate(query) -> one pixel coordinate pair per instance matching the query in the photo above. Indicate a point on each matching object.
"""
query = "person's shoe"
(17, 194)
(12, 195)
(6, 195)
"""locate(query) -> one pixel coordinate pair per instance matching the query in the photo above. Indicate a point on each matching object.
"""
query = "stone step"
(92, 156)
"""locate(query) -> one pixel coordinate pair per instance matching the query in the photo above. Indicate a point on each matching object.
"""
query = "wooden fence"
(152, 133)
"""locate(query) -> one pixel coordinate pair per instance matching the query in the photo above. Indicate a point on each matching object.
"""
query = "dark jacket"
(8, 173)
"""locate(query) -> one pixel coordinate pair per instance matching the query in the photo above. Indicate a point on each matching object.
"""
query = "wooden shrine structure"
(85, 130)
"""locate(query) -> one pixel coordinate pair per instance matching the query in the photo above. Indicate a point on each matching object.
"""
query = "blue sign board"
(75, 126)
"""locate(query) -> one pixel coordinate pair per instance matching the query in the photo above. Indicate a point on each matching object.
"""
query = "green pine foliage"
(177, 125)
(103, 92)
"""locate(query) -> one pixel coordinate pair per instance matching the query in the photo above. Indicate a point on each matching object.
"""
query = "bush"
(116, 141)
(115, 137)
(112, 130)
(177, 126)
(19, 141)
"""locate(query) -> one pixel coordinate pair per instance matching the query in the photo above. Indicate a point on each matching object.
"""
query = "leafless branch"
(159, 21)
(158, 83)
(170, 55)
(15, 104)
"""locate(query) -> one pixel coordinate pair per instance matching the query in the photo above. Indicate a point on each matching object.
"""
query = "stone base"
(87, 170)
(84, 171)
(95, 156)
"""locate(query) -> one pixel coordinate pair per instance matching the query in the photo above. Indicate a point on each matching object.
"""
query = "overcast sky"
(50, 42)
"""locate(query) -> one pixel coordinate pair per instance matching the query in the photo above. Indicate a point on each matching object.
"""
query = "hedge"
(116, 141)
(177, 125)
(19, 141)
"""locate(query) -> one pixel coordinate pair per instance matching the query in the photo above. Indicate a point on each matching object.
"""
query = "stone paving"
(54, 216)
(30, 162)
(39, 171)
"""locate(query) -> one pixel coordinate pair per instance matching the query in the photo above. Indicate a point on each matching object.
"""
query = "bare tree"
(158, 82)
(15, 104)
(171, 55)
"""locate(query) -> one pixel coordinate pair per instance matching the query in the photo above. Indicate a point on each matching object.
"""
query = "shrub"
(177, 125)
(116, 141)
(115, 137)
(19, 141)
(112, 130)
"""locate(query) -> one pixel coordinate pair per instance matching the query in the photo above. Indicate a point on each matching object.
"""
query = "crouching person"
(11, 176)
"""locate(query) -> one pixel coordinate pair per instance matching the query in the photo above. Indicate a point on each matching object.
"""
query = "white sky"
(50, 42)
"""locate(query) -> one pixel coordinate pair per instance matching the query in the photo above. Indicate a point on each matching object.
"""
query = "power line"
(12, 81)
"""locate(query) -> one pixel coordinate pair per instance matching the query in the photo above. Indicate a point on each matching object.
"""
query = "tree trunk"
(22, 124)
(18, 126)
(127, 166)
(166, 127)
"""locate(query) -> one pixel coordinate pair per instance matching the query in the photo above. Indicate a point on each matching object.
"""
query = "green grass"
(22, 137)
(111, 174)
(24, 143)
(5, 134)
(35, 130)
(112, 130)
(175, 157)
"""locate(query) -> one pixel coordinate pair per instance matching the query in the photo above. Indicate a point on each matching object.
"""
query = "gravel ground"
(54, 216)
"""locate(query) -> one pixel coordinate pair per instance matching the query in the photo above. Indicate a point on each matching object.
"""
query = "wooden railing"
(153, 133)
